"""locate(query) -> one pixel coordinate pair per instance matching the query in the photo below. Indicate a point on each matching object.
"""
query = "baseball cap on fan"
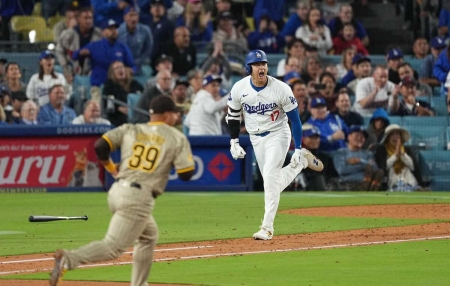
(318, 102)
(437, 43)
(210, 78)
(46, 54)
(394, 54)
(109, 23)
(310, 130)
(163, 103)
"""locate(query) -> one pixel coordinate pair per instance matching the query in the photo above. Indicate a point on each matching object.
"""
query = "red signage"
(49, 162)
(220, 166)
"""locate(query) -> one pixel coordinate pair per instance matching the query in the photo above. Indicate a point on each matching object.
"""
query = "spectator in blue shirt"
(346, 16)
(442, 65)
(356, 167)
(162, 29)
(55, 112)
(102, 54)
(444, 23)
(275, 10)
(437, 45)
(109, 9)
(197, 20)
(8, 9)
(295, 20)
(137, 37)
(266, 37)
(332, 128)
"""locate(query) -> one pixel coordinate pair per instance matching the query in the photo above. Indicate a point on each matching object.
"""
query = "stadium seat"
(147, 70)
(427, 137)
(132, 100)
(439, 104)
(415, 63)
(37, 9)
(142, 79)
(435, 166)
(24, 24)
(396, 120)
(250, 23)
(433, 121)
(44, 35)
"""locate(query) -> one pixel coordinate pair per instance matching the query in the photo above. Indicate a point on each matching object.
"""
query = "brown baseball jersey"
(148, 153)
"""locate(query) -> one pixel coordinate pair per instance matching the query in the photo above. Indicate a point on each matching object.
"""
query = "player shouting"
(267, 103)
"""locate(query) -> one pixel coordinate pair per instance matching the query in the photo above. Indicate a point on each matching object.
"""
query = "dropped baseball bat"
(45, 218)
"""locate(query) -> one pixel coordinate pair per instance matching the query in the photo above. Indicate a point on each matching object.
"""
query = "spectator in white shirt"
(314, 33)
(207, 109)
(91, 114)
(374, 92)
(41, 82)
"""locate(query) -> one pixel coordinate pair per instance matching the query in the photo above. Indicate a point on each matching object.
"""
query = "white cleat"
(263, 234)
(313, 162)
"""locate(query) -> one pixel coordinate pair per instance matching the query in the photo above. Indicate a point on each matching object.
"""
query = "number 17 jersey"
(263, 110)
(148, 153)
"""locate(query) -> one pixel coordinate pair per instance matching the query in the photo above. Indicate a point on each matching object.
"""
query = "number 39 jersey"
(263, 110)
(148, 153)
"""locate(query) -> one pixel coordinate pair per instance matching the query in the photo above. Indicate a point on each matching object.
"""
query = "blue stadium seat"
(428, 137)
(415, 63)
(142, 79)
(352, 99)
(396, 120)
(436, 166)
(132, 100)
(425, 121)
(147, 70)
(439, 104)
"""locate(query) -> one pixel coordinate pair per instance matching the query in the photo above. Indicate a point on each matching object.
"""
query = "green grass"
(411, 263)
(183, 217)
(207, 216)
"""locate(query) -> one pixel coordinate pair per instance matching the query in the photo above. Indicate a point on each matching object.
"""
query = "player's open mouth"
(261, 74)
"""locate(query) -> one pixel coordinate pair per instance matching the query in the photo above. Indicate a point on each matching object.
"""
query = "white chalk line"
(128, 252)
(245, 253)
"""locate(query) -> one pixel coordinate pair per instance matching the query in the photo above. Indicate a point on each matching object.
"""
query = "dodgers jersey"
(263, 110)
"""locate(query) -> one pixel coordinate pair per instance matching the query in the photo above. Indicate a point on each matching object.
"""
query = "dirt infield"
(182, 251)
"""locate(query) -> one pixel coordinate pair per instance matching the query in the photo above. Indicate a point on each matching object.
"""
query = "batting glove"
(236, 150)
(296, 158)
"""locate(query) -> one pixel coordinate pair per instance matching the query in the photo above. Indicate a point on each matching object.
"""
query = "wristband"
(110, 167)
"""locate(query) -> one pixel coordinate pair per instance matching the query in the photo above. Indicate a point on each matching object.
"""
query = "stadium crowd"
(134, 51)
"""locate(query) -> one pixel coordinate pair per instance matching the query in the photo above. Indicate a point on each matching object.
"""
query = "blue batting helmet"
(254, 56)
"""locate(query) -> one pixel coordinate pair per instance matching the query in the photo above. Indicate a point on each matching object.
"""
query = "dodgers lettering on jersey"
(264, 110)
(260, 109)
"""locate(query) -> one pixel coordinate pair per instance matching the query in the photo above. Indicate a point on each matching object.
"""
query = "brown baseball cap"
(163, 103)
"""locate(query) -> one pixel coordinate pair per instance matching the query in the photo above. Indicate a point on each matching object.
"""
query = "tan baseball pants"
(132, 220)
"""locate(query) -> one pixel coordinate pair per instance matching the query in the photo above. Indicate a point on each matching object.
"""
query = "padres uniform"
(148, 152)
(267, 123)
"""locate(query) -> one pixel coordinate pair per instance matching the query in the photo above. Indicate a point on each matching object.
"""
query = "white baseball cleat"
(313, 162)
(263, 234)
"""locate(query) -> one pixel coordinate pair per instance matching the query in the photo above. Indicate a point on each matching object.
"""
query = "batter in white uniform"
(266, 104)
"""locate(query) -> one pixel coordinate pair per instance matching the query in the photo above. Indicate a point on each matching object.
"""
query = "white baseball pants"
(270, 152)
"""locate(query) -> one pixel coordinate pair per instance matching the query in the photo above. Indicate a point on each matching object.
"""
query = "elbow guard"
(233, 114)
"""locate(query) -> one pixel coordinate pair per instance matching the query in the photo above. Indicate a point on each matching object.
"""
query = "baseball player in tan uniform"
(148, 153)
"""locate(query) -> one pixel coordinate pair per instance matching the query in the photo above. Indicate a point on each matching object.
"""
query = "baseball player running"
(267, 103)
(148, 153)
